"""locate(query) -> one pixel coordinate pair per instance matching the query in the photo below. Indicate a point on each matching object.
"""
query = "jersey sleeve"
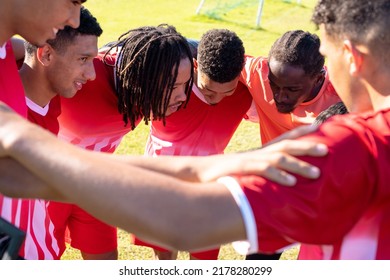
(316, 211)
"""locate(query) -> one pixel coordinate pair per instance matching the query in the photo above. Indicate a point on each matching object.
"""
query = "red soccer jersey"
(273, 123)
(91, 118)
(28, 215)
(31, 215)
(45, 117)
(345, 214)
(199, 129)
(11, 87)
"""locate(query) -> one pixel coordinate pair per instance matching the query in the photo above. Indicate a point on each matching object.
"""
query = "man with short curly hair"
(290, 87)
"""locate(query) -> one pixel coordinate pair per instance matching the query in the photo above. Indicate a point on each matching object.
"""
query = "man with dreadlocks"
(146, 74)
(217, 106)
(290, 87)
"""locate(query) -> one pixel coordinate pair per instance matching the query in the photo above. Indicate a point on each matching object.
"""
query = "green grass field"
(118, 16)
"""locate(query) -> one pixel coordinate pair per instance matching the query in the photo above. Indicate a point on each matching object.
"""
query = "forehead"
(285, 72)
(212, 85)
(184, 71)
(80, 46)
(85, 41)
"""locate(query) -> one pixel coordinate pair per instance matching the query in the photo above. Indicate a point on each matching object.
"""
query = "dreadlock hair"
(88, 26)
(146, 71)
(361, 21)
(300, 49)
(221, 55)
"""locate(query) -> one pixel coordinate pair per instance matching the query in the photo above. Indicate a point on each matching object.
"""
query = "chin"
(284, 110)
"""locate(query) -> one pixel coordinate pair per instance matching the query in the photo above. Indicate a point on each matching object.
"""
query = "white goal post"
(259, 10)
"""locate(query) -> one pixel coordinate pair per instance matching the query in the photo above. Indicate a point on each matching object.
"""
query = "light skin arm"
(272, 162)
(118, 193)
(17, 181)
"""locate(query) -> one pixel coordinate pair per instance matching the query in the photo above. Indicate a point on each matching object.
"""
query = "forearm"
(188, 168)
(17, 181)
(151, 205)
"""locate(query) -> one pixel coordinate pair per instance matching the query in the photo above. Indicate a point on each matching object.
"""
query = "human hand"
(276, 162)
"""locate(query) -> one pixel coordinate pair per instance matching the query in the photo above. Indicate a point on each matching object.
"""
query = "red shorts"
(201, 255)
(87, 233)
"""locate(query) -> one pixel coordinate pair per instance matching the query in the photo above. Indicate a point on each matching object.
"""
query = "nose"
(90, 73)
(181, 95)
(280, 95)
(74, 16)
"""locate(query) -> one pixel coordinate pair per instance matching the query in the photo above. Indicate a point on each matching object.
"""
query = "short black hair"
(361, 21)
(88, 26)
(335, 109)
(221, 55)
(301, 49)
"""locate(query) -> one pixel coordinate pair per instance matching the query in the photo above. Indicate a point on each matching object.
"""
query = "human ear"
(354, 57)
(44, 54)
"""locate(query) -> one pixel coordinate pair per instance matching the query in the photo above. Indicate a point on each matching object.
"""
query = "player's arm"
(276, 163)
(118, 193)
(17, 181)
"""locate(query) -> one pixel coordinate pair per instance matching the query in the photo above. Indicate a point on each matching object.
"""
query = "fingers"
(299, 148)
(297, 166)
(283, 172)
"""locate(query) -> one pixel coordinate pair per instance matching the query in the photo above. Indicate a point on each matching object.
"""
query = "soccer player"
(344, 211)
(144, 87)
(58, 68)
(217, 105)
(291, 86)
(36, 21)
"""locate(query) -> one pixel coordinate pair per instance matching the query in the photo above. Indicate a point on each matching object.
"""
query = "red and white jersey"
(273, 123)
(11, 87)
(45, 117)
(199, 129)
(345, 214)
(28, 215)
(91, 118)
(31, 215)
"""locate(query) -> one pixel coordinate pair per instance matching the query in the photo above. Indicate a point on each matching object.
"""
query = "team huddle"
(61, 181)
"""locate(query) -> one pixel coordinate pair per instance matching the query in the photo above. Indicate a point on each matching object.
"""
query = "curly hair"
(221, 55)
(146, 71)
(361, 21)
(335, 109)
(301, 49)
(88, 26)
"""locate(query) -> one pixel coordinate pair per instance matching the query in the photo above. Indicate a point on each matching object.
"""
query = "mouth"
(284, 107)
(175, 107)
(79, 85)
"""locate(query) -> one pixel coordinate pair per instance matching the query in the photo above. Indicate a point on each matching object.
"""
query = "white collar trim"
(3, 51)
(36, 108)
